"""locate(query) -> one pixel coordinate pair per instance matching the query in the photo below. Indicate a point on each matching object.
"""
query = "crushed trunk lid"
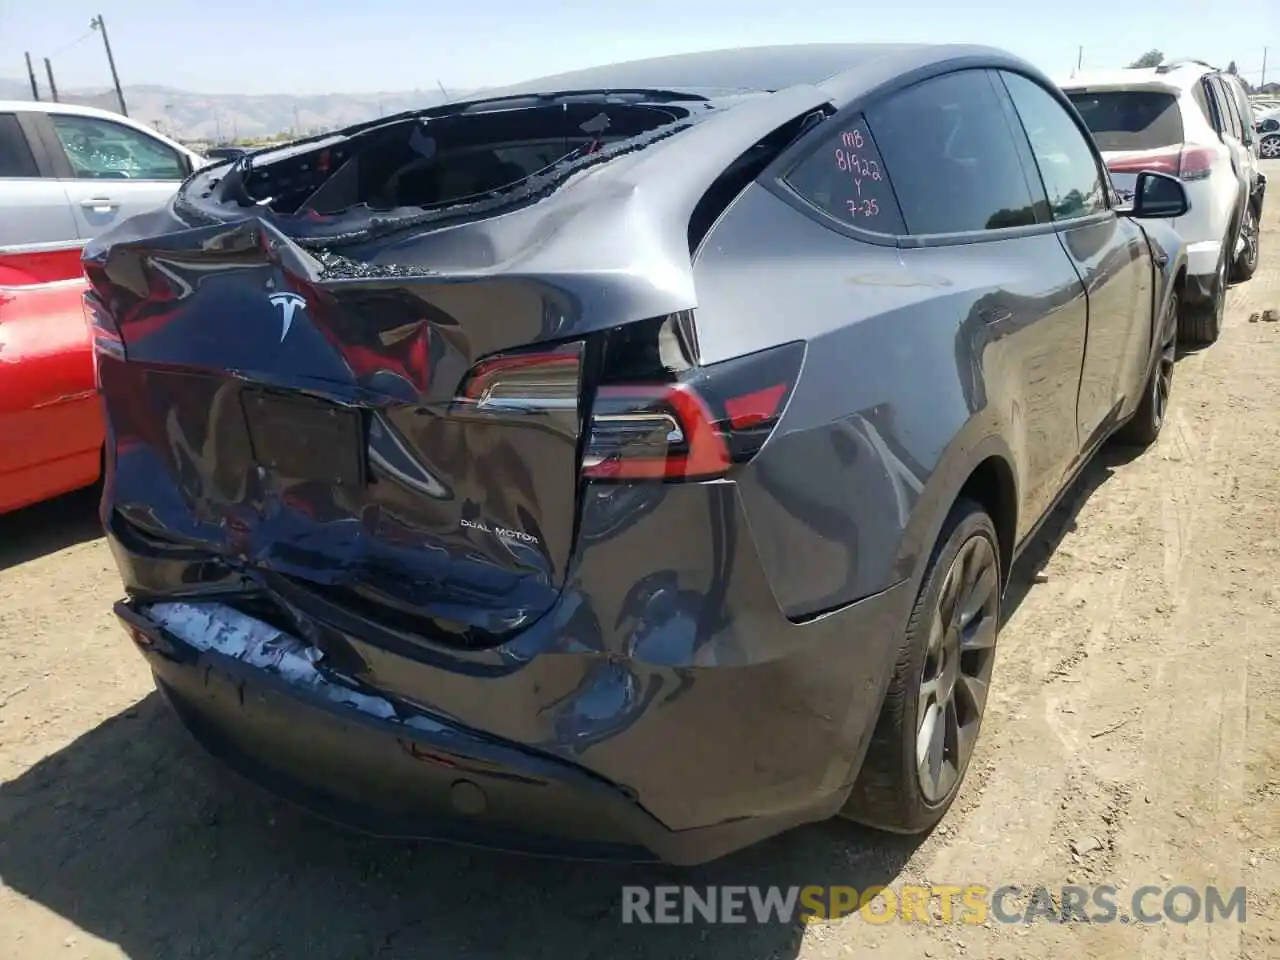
(385, 408)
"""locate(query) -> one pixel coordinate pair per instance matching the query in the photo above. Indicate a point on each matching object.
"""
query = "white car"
(68, 173)
(1267, 125)
(1193, 121)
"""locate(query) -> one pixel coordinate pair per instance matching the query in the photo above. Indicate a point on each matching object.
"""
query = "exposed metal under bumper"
(355, 760)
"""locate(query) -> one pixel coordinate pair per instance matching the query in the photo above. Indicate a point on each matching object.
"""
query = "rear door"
(949, 151)
(111, 171)
(1230, 128)
(1242, 127)
(49, 410)
(1109, 252)
(34, 209)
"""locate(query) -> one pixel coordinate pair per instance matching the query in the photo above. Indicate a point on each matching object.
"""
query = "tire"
(890, 792)
(1144, 426)
(1269, 146)
(1246, 264)
(1199, 324)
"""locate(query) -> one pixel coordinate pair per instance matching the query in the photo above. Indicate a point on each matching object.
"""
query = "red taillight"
(543, 380)
(1161, 161)
(1186, 163)
(697, 425)
(653, 417)
(653, 432)
(1196, 162)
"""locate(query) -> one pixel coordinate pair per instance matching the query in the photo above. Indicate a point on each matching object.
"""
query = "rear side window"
(1217, 109)
(1232, 111)
(950, 153)
(845, 178)
(1130, 119)
(15, 155)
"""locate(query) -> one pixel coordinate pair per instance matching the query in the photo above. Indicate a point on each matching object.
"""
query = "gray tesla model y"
(629, 463)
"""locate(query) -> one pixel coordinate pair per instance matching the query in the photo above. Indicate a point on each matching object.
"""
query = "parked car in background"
(68, 173)
(1267, 126)
(225, 153)
(1192, 121)
(646, 500)
(51, 425)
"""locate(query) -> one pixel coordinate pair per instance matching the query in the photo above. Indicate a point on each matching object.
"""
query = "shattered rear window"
(414, 169)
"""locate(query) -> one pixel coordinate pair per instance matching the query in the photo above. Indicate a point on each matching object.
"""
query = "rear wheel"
(933, 709)
(1247, 262)
(1200, 323)
(1269, 146)
(1143, 429)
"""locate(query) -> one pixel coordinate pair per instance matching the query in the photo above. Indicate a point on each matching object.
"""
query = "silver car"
(69, 173)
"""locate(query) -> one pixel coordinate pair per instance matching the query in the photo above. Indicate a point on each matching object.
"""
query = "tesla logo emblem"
(288, 303)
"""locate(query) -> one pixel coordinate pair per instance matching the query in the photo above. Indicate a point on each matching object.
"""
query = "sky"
(340, 46)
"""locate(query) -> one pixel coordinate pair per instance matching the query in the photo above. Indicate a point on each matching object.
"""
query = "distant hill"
(211, 117)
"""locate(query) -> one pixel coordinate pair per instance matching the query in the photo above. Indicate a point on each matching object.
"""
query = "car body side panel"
(915, 357)
(51, 427)
(34, 212)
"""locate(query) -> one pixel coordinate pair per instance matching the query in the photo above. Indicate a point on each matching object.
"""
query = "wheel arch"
(984, 471)
(991, 485)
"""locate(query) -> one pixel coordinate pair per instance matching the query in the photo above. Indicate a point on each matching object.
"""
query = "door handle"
(99, 204)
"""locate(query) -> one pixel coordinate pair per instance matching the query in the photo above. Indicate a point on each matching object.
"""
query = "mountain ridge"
(215, 117)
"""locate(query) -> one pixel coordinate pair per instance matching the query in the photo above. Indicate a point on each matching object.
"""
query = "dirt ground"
(1133, 738)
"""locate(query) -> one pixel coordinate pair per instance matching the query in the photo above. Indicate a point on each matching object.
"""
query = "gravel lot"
(1133, 738)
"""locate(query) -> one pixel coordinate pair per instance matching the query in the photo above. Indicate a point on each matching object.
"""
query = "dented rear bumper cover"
(260, 700)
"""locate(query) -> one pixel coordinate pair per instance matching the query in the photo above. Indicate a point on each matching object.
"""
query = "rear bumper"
(410, 774)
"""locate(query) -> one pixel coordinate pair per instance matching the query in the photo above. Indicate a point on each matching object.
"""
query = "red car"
(51, 427)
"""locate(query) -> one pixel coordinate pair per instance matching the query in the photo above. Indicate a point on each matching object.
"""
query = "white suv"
(1193, 121)
(68, 173)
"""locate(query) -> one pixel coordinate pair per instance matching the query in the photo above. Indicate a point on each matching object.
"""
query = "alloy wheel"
(1220, 284)
(1270, 147)
(1249, 234)
(1162, 382)
(957, 667)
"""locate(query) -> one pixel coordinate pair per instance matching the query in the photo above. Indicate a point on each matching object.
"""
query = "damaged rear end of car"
(402, 425)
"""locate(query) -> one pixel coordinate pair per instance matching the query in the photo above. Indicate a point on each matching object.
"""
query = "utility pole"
(53, 87)
(1263, 81)
(1079, 58)
(97, 23)
(31, 72)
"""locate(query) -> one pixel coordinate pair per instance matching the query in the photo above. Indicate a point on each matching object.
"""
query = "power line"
(80, 39)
